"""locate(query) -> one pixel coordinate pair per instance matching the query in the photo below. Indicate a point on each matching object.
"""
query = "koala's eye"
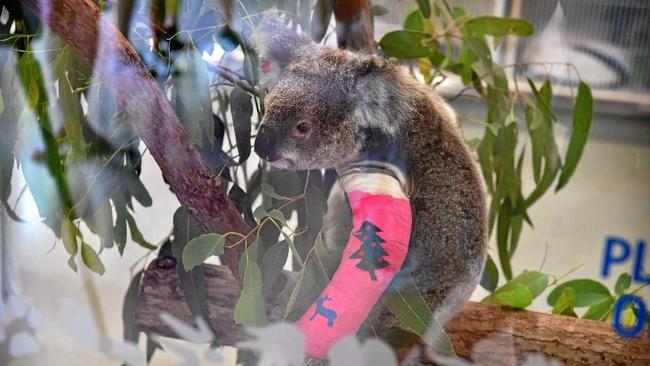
(302, 130)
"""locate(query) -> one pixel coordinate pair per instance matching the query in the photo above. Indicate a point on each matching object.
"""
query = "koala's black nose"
(265, 142)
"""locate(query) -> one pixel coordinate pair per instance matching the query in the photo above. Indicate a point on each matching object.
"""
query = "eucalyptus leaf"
(600, 311)
(497, 26)
(273, 262)
(622, 283)
(518, 296)
(490, 278)
(425, 8)
(564, 304)
(582, 112)
(406, 44)
(69, 237)
(131, 332)
(242, 110)
(270, 191)
(586, 292)
(199, 249)
(378, 10)
(321, 19)
(91, 259)
(136, 235)
(406, 302)
(249, 310)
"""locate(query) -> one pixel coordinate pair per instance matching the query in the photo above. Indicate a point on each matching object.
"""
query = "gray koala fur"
(361, 106)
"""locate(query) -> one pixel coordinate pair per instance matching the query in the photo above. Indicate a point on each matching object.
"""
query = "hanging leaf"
(564, 304)
(414, 21)
(193, 282)
(269, 191)
(407, 44)
(496, 26)
(131, 332)
(273, 263)
(249, 310)
(91, 259)
(136, 235)
(69, 237)
(503, 228)
(600, 311)
(586, 292)
(378, 10)
(425, 8)
(622, 283)
(582, 113)
(520, 291)
(320, 19)
(490, 278)
(242, 110)
(199, 249)
(408, 305)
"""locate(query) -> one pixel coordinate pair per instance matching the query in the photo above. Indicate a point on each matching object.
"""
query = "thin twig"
(233, 78)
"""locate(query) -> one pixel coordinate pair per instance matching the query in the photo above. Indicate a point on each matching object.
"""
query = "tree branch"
(353, 25)
(81, 24)
(483, 332)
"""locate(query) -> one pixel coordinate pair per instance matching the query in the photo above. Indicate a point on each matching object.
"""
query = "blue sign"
(641, 315)
(618, 251)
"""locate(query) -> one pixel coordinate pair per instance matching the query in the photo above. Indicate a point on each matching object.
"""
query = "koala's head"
(311, 115)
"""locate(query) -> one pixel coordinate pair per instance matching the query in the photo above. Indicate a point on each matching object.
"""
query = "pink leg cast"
(372, 257)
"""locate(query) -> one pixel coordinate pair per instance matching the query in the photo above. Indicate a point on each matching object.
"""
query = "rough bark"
(81, 24)
(353, 25)
(486, 333)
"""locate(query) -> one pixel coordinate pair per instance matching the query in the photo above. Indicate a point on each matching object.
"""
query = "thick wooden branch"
(489, 334)
(353, 25)
(81, 24)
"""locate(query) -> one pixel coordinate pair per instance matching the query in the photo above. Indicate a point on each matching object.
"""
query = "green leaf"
(199, 249)
(249, 310)
(32, 94)
(241, 109)
(250, 255)
(622, 283)
(582, 113)
(512, 294)
(503, 228)
(273, 263)
(378, 10)
(72, 264)
(564, 304)
(499, 27)
(407, 304)
(131, 332)
(69, 237)
(407, 44)
(277, 215)
(536, 281)
(320, 19)
(587, 292)
(517, 296)
(490, 278)
(425, 8)
(599, 311)
(193, 282)
(259, 212)
(91, 259)
(270, 191)
(414, 21)
(136, 235)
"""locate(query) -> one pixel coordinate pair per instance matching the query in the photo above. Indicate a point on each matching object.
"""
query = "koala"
(328, 108)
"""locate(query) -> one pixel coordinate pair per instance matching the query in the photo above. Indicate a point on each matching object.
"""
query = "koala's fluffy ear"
(278, 46)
